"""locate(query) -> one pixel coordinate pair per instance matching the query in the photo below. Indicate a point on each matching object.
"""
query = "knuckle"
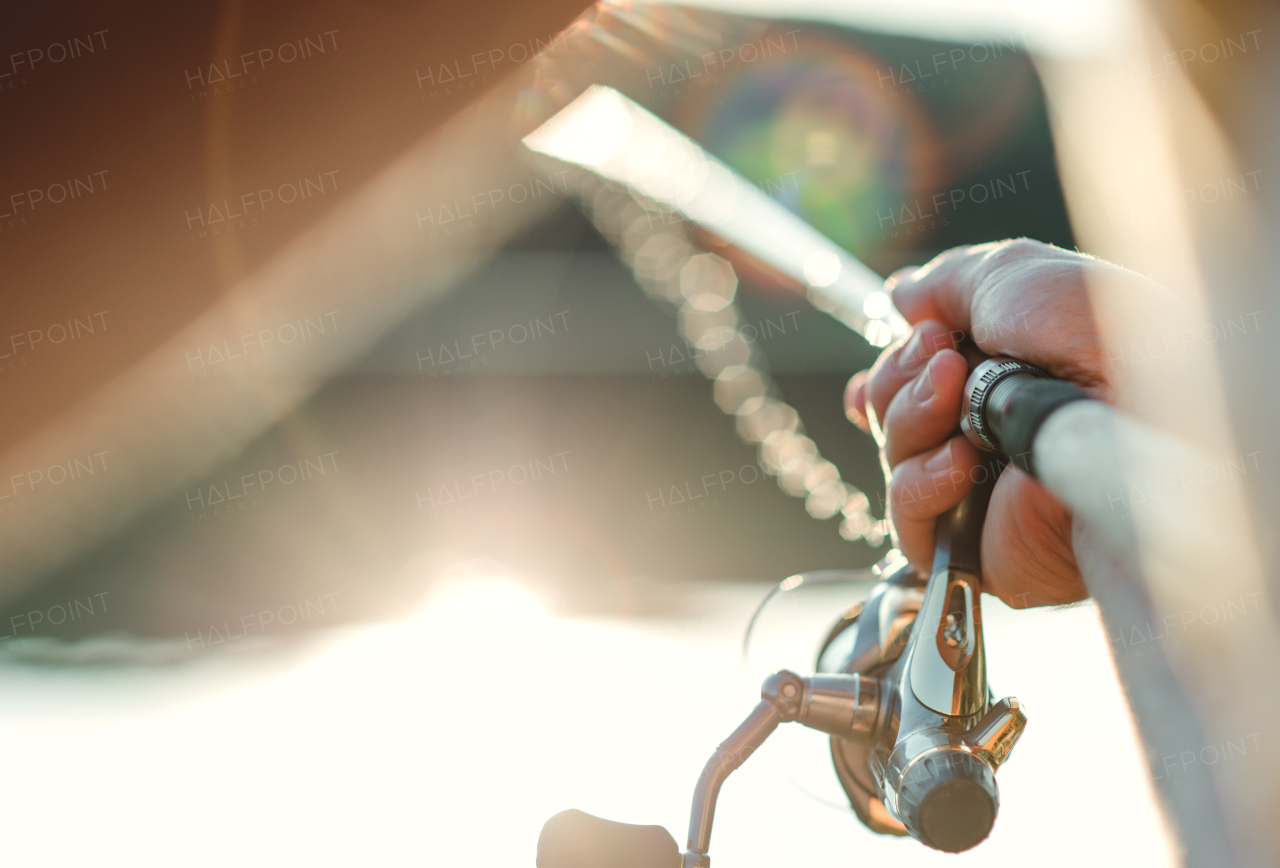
(1022, 246)
(1015, 250)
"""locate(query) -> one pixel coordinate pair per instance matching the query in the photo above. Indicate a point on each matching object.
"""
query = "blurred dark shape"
(143, 106)
(574, 839)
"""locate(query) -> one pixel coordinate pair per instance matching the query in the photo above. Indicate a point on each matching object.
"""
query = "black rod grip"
(1018, 407)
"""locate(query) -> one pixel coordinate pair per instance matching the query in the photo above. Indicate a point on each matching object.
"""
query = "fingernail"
(902, 274)
(856, 402)
(940, 460)
(922, 391)
(914, 350)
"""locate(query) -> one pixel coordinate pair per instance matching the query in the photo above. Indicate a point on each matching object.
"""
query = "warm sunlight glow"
(481, 594)
(619, 140)
(589, 132)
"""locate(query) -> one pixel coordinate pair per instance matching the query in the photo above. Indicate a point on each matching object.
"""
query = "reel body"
(902, 690)
(922, 772)
(901, 683)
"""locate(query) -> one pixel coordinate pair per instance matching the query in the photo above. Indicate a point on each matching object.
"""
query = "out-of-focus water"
(448, 738)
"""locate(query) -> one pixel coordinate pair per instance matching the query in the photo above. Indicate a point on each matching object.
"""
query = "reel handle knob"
(945, 782)
(575, 839)
(948, 799)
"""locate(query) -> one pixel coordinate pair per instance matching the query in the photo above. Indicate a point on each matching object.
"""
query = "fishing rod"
(917, 736)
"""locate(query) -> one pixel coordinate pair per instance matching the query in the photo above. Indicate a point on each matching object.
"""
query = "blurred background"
(350, 443)
(544, 348)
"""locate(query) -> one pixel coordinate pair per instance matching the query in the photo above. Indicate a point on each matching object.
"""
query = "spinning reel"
(901, 682)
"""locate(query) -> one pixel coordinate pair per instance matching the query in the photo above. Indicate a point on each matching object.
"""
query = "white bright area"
(1079, 28)
(448, 738)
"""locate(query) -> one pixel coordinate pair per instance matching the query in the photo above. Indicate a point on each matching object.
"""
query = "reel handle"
(574, 839)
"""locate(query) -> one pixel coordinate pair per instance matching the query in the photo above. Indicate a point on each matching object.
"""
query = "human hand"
(1018, 298)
